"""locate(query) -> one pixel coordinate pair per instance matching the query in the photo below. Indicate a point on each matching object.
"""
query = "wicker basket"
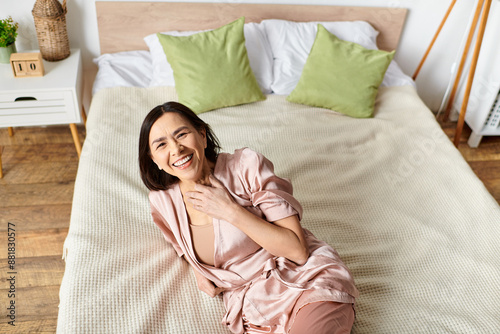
(50, 24)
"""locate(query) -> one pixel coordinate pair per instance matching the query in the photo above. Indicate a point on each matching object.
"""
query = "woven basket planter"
(50, 24)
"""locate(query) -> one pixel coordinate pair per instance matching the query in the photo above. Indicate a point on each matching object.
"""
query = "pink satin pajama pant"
(317, 318)
(324, 318)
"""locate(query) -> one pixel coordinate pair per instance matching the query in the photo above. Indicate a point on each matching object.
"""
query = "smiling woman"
(178, 148)
(156, 143)
(238, 225)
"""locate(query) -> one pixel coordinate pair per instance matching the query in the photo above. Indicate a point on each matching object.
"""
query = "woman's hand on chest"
(214, 201)
(284, 237)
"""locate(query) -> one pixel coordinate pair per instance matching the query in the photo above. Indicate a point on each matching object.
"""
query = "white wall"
(423, 19)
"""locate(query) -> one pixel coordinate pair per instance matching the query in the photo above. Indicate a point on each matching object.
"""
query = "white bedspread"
(417, 228)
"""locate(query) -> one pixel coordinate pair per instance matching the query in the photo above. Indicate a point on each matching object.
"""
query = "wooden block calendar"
(25, 65)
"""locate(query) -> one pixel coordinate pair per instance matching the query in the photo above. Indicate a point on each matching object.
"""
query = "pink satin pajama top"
(257, 285)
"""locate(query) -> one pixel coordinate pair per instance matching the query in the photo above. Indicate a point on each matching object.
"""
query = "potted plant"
(8, 34)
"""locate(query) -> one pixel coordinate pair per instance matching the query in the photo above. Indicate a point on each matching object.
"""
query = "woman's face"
(178, 148)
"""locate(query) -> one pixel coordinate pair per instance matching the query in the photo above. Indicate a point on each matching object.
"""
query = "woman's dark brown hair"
(154, 178)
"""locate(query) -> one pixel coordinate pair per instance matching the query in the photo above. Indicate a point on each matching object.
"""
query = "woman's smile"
(184, 162)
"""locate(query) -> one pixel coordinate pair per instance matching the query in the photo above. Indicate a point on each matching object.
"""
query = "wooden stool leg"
(433, 40)
(76, 139)
(472, 71)
(472, 30)
(11, 131)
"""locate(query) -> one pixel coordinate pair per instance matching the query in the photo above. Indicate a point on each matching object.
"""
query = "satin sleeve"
(160, 221)
(273, 195)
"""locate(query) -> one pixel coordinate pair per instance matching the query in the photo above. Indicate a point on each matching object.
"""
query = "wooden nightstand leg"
(84, 116)
(1, 171)
(11, 131)
(76, 139)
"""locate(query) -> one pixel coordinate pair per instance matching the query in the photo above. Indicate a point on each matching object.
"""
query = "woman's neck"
(188, 185)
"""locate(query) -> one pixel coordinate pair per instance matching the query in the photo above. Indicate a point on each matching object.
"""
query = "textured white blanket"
(417, 228)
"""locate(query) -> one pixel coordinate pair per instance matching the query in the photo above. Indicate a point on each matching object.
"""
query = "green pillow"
(211, 69)
(341, 76)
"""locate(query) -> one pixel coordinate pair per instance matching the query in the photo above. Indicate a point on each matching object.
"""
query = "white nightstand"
(52, 99)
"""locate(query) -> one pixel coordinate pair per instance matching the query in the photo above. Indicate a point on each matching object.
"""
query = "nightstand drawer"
(37, 108)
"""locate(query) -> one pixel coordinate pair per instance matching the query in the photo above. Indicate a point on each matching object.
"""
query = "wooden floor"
(39, 166)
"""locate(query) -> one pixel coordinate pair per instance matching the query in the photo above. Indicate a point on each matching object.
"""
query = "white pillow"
(258, 49)
(291, 43)
(394, 76)
(128, 68)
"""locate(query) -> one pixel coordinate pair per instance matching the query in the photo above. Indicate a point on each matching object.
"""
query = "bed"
(390, 192)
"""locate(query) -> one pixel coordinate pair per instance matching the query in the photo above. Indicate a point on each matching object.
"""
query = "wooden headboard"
(123, 25)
